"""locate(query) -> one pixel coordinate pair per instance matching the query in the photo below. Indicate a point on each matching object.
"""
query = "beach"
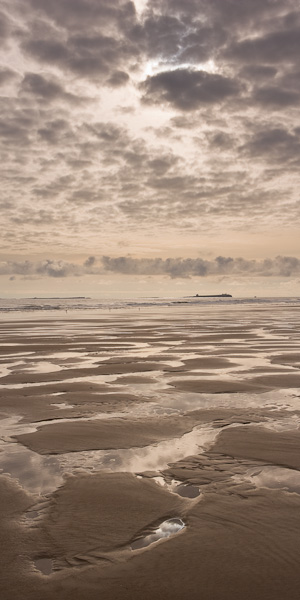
(151, 452)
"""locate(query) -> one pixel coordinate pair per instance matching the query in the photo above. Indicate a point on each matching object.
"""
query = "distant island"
(213, 296)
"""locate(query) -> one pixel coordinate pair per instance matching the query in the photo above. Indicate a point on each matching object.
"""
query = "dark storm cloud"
(275, 97)
(291, 79)
(281, 266)
(276, 144)
(176, 39)
(232, 16)
(187, 89)
(78, 14)
(86, 55)
(95, 38)
(88, 38)
(258, 73)
(46, 51)
(276, 47)
(160, 35)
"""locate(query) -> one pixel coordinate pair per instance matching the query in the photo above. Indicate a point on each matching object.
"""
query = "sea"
(33, 305)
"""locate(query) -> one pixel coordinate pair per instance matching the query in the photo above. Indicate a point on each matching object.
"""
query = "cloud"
(187, 89)
(46, 89)
(276, 144)
(46, 268)
(281, 266)
(221, 140)
(83, 13)
(5, 29)
(90, 261)
(275, 47)
(87, 56)
(258, 72)
(6, 74)
(284, 266)
(56, 132)
(275, 97)
(117, 79)
(88, 150)
(86, 37)
(15, 131)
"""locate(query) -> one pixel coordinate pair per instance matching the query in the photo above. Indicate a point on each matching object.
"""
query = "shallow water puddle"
(155, 457)
(41, 367)
(274, 400)
(44, 565)
(43, 474)
(283, 424)
(165, 530)
(31, 515)
(272, 478)
(35, 473)
(185, 490)
(62, 405)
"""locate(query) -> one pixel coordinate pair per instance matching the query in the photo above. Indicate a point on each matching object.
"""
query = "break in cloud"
(150, 124)
(281, 266)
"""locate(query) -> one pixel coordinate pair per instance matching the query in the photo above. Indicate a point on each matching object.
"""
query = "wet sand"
(151, 454)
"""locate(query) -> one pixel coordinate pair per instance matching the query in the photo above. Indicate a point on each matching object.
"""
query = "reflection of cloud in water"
(43, 474)
(37, 474)
(62, 405)
(165, 530)
(41, 367)
(149, 458)
(187, 401)
(273, 478)
(283, 424)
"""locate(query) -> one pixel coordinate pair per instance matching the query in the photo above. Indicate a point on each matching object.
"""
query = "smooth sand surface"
(218, 386)
(274, 447)
(213, 392)
(97, 435)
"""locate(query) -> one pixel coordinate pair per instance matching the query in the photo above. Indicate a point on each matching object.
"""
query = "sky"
(149, 148)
